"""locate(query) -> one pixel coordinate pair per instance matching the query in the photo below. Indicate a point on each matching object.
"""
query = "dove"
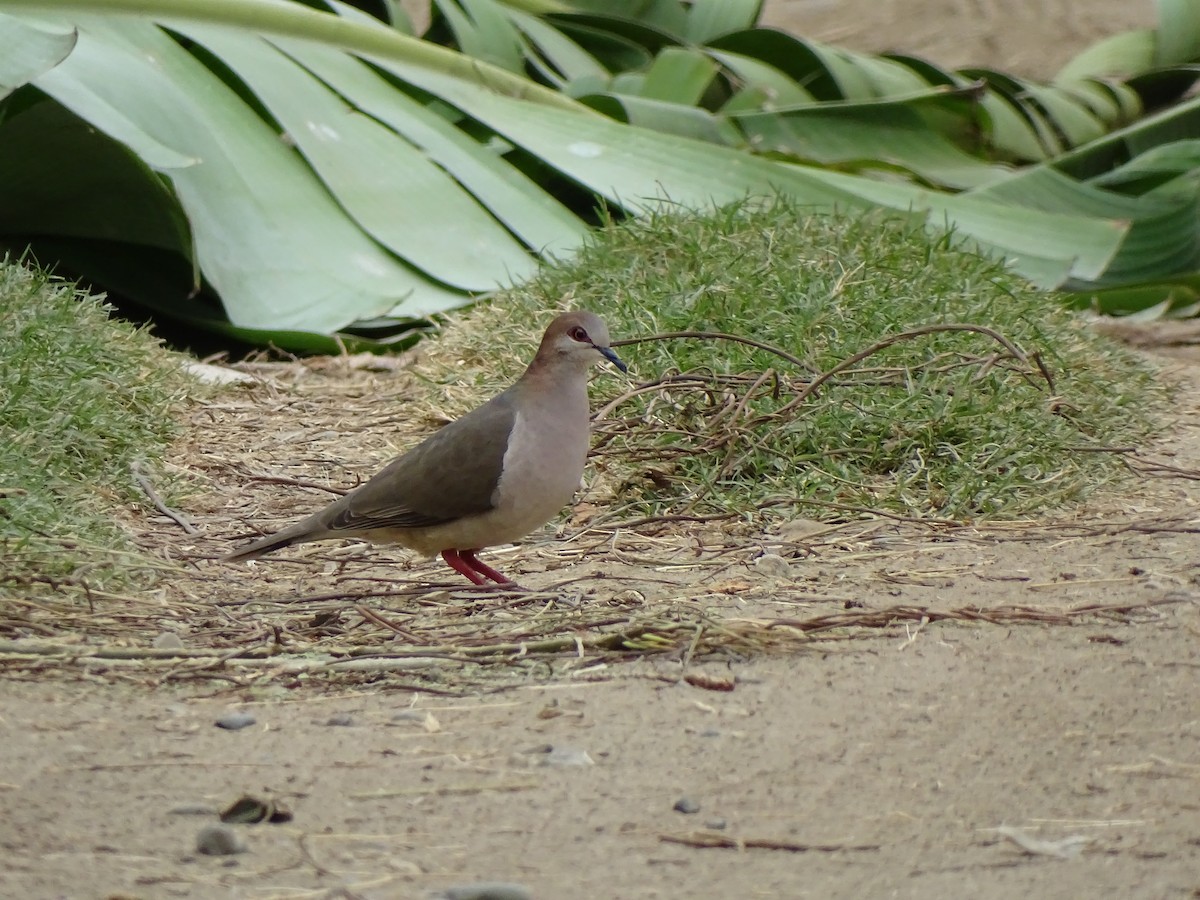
(491, 477)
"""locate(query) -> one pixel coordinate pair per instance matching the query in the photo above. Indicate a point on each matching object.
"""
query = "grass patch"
(82, 398)
(947, 424)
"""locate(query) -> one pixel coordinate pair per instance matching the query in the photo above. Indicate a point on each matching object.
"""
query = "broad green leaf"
(398, 17)
(886, 77)
(1099, 102)
(1164, 233)
(569, 60)
(1152, 168)
(747, 100)
(28, 50)
(861, 136)
(268, 236)
(537, 218)
(821, 72)
(646, 31)
(829, 73)
(668, 118)
(628, 83)
(359, 33)
(1046, 248)
(1011, 132)
(483, 32)
(158, 282)
(1044, 187)
(474, 121)
(388, 186)
(638, 169)
(118, 125)
(161, 284)
(45, 191)
(1178, 36)
(929, 72)
(632, 167)
(1180, 122)
(853, 82)
(678, 75)
(1160, 87)
(1127, 100)
(1070, 117)
(708, 19)
(616, 53)
(1120, 55)
(586, 84)
(1111, 102)
(667, 17)
(1161, 298)
(1161, 242)
(780, 89)
(1017, 94)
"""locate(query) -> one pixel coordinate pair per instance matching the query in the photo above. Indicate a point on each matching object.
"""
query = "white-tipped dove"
(491, 477)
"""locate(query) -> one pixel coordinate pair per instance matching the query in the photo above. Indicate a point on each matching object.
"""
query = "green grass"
(943, 425)
(82, 397)
(938, 426)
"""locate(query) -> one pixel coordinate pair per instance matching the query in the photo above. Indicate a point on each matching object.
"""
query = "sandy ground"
(879, 710)
(1029, 37)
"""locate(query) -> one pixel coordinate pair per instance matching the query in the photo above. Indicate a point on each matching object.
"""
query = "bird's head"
(578, 336)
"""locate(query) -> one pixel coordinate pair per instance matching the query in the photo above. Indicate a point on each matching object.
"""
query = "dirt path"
(896, 761)
(1040, 677)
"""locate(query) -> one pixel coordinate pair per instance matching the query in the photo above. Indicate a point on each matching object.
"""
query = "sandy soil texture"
(1028, 37)
(873, 709)
(876, 709)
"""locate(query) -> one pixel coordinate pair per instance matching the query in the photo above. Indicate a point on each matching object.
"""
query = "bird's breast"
(543, 465)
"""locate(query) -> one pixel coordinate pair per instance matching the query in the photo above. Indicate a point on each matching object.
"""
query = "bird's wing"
(451, 474)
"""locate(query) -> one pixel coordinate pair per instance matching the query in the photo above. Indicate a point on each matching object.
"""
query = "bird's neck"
(550, 382)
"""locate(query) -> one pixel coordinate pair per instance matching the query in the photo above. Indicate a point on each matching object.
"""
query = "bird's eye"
(578, 334)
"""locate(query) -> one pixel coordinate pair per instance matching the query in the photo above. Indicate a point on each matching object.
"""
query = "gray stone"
(232, 721)
(219, 840)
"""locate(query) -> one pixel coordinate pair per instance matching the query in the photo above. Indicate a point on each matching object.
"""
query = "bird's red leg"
(469, 557)
(454, 559)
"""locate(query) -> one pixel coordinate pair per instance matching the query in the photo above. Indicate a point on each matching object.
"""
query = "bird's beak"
(611, 355)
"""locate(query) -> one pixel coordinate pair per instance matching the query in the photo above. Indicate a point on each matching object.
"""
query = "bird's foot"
(467, 564)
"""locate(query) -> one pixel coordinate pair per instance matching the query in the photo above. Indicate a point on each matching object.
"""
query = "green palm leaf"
(300, 172)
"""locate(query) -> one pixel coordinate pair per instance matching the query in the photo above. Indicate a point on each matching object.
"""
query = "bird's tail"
(262, 547)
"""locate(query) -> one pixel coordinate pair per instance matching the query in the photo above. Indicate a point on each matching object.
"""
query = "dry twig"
(711, 839)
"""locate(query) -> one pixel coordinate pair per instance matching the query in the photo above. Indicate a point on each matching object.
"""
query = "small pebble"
(710, 733)
(773, 566)
(567, 756)
(235, 720)
(715, 824)
(247, 810)
(797, 530)
(487, 890)
(168, 640)
(421, 718)
(218, 840)
(210, 374)
(340, 719)
(686, 805)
